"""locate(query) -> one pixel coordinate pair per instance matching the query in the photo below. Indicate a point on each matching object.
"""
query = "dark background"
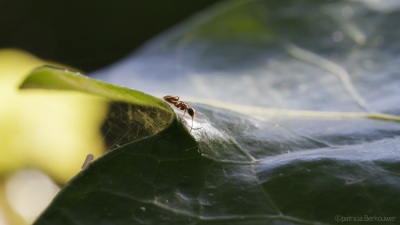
(88, 34)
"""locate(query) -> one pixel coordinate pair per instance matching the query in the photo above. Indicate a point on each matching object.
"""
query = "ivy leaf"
(297, 122)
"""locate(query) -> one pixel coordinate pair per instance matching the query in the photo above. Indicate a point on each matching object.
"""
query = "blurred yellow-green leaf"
(52, 131)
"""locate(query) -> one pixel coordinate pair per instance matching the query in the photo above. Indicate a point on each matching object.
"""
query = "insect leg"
(184, 111)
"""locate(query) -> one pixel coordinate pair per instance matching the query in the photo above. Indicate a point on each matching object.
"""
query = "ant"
(181, 105)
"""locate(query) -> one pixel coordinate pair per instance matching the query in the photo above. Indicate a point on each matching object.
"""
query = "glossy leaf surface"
(297, 122)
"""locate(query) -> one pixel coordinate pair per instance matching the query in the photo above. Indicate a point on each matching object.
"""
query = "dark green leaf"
(316, 84)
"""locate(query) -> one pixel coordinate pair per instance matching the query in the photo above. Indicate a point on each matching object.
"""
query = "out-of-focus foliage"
(46, 130)
(50, 131)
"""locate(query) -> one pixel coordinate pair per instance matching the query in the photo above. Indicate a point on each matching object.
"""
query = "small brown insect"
(181, 105)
